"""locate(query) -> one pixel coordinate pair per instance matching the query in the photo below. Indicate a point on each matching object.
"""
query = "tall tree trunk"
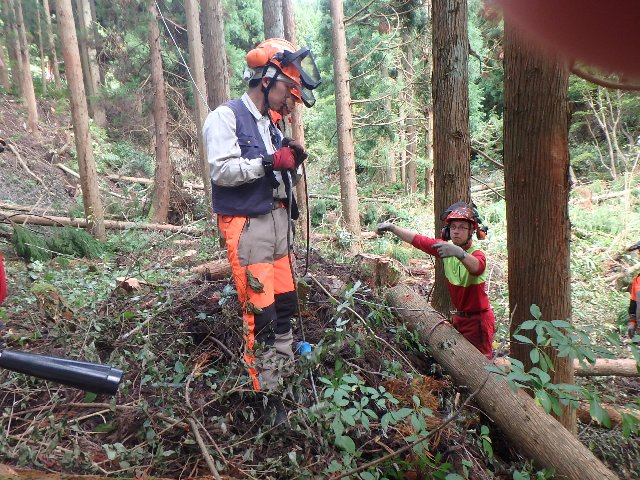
(53, 55)
(43, 61)
(4, 69)
(297, 120)
(162, 190)
(28, 92)
(13, 44)
(344, 122)
(216, 69)
(272, 17)
(410, 114)
(451, 144)
(536, 170)
(196, 62)
(88, 177)
(92, 74)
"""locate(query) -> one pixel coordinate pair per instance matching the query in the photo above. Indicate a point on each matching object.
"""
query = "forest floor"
(178, 337)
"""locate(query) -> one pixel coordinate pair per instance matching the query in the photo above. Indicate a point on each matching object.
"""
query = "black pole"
(91, 377)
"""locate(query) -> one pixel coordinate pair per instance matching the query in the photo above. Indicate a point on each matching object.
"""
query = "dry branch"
(10, 217)
(24, 165)
(77, 175)
(536, 434)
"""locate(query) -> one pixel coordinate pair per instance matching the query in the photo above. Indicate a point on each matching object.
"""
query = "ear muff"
(445, 233)
(257, 58)
(481, 232)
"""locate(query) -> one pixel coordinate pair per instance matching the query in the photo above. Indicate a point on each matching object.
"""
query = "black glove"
(446, 249)
(300, 152)
(384, 227)
(631, 328)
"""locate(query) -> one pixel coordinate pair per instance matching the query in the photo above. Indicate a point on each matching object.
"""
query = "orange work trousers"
(260, 261)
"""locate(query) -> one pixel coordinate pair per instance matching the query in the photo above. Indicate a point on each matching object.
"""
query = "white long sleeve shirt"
(228, 167)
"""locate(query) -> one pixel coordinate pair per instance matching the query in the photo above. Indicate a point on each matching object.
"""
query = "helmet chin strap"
(267, 89)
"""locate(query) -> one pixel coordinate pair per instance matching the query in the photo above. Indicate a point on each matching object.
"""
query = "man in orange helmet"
(252, 172)
(465, 270)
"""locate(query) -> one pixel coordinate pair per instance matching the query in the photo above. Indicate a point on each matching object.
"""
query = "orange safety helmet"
(275, 57)
(266, 54)
(466, 212)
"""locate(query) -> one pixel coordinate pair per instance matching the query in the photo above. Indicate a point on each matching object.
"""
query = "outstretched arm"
(402, 233)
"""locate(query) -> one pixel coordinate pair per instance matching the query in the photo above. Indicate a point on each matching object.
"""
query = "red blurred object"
(3, 282)
(595, 32)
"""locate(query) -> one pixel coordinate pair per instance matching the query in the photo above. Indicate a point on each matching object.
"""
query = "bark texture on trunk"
(28, 93)
(162, 189)
(344, 121)
(88, 177)
(451, 138)
(536, 170)
(13, 44)
(537, 435)
(215, 60)
(4, 69)
(297, 122)
(196, 63)
(85, 20)
(51, 42)
(272, 18)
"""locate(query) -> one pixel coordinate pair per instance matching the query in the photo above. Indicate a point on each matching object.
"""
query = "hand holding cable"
(282, 159)
(300, 152)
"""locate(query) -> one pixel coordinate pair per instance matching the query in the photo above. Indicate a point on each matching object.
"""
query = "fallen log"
(625, 367)
(615, 416)
(536, 434)
(52, 221)
(214, 270)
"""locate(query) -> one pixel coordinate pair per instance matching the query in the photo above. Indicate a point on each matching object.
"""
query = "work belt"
(469, 314)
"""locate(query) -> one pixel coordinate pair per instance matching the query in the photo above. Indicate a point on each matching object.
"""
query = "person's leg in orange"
(257, 248)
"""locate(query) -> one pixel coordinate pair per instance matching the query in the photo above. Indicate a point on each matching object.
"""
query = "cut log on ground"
(215, 270)
(615, 416)
(536, 434)
(625, 367)
(10, 217)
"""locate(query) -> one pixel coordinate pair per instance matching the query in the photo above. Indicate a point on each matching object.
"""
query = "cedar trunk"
(162, 189)
(53, 55)
(272, 18)
(43, 62)
(344, 122)
(28, 93)
(215, 61)
(196, 62)
(13, 45)
(297, 122)
(536, 170)
(451, 144)
(88, 178)
(411, 185)
(534, 433)
(4, 69)
(92, 75)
